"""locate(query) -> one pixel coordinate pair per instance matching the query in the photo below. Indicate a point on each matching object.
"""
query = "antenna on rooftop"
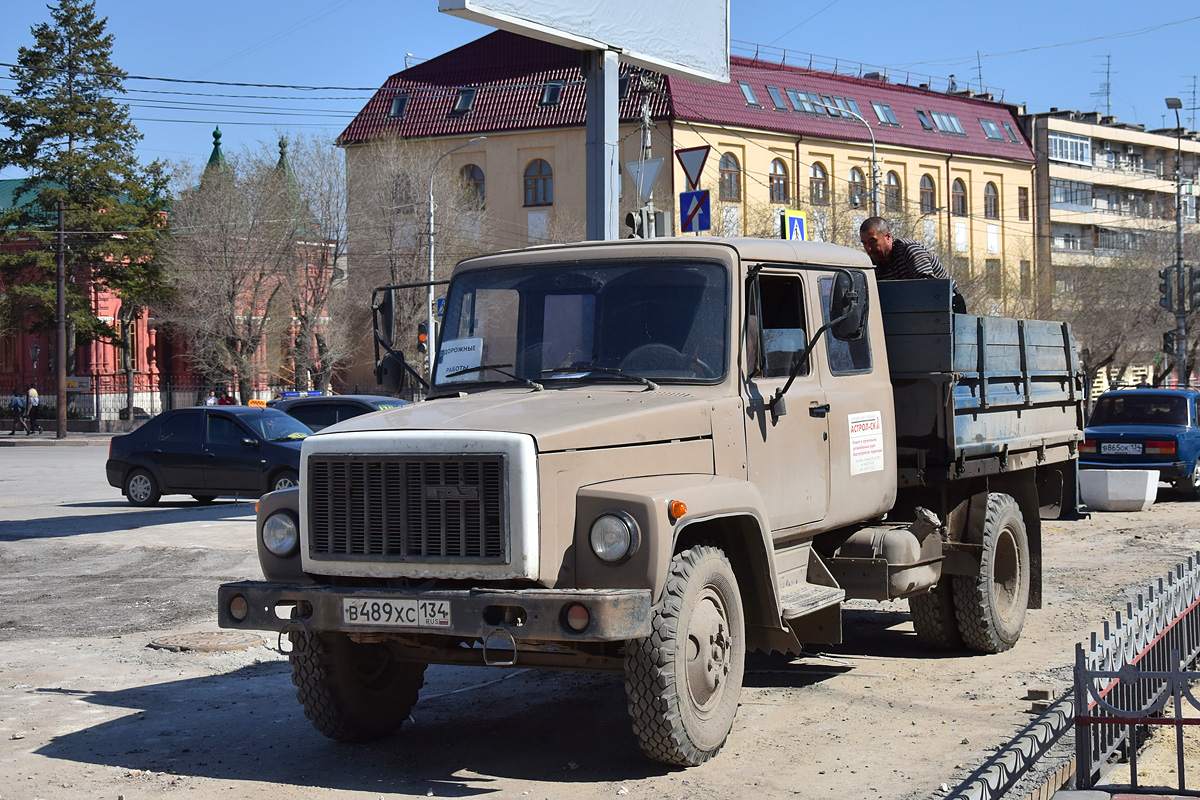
(979, 71)
(1192, 106)
(1106, 86)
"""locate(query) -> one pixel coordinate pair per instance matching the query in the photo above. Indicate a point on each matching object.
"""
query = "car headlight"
(614, 536)
(280, 534)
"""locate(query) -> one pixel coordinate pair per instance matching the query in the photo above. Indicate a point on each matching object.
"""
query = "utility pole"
(1181, 298)
(60, 328)
(650, 223)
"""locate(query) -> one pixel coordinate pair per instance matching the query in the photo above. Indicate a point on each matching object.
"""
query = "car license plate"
(396, 613)
(1121, 448)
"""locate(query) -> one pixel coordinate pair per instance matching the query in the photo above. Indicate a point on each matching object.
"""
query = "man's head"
(876, 238)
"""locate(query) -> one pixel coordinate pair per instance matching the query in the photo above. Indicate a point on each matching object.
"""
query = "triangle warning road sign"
(692, 160)
(644, 174)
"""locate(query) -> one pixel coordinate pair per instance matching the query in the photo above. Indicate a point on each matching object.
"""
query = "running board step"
(809, 599)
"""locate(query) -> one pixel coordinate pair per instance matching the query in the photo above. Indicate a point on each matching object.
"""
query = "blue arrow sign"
(694, 210)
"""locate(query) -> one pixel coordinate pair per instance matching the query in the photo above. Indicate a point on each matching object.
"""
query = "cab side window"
(845, 358)
(780, 320)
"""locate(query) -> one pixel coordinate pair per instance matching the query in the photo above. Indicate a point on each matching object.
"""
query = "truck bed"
(976, 395)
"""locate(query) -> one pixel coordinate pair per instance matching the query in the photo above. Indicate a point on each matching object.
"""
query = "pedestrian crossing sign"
(793, 226)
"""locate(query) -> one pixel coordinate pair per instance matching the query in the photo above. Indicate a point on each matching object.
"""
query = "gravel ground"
(88, 710)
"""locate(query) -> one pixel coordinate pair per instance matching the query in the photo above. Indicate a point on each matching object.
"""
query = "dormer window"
(623, 86)
(552, 93)
(399, 103)
(748, 93)
(464, 100)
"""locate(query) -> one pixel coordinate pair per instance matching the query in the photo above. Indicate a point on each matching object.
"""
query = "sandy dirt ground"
(87, 709)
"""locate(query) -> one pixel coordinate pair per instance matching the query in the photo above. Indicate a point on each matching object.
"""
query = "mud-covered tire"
(141, 489)
(990, 607)
(933, 617)
(352, 692)
(683, 681)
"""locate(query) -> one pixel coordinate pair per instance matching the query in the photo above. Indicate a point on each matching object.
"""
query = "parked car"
(207, 452)
(1146, 428)
(323, 411)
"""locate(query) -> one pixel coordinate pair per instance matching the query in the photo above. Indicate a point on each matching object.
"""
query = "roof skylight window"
(884, 112)
(926, 120)
(991, 130)
(776, 98)
(399, 103)
(1012, 135)
(552, 93)
(748, 93)
(948, 123)
(464, 100)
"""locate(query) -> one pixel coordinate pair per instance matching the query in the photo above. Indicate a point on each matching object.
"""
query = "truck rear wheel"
(684, 680)
(352, 692)
(990, 607)
(933, 617)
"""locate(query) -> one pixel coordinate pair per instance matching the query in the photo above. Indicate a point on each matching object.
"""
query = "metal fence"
(1126, 676)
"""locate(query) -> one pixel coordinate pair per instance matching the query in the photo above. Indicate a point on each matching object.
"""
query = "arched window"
(779, 181)
(958, 198)
(539, 184)
(731, 178)
(818, 185)
(991, 201)
(858, 187)
(928, 195)
(473, 176)
(893, 193)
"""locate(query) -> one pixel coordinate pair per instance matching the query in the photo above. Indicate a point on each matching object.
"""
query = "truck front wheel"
(352, 692)
(684, 680)
(990, 607)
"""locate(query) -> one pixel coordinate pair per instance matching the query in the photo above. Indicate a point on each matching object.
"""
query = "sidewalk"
(48, 439)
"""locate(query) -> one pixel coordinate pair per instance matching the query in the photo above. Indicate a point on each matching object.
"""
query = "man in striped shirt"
(903, 259)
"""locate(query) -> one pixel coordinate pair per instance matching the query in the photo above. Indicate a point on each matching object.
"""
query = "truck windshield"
(602, 321)
(1140, 409)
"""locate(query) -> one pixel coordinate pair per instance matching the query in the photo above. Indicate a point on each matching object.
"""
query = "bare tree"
(232, 256)
(388, 188)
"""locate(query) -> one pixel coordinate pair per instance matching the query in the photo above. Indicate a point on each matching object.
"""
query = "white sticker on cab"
(866, 442)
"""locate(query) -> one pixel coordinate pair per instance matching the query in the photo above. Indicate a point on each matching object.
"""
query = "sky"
(1029, 52)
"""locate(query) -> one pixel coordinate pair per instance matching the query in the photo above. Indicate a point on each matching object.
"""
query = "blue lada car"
(1146, 428)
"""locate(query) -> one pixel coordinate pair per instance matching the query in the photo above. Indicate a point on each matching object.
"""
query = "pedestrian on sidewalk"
(17, 407)
(34, 407)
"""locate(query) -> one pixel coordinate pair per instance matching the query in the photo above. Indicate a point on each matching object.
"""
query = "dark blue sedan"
(1146, 428)
(207, 452)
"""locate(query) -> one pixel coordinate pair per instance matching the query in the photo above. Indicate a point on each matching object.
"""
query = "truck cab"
(653, 457)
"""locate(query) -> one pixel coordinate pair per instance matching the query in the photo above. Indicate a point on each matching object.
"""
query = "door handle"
(210, 455)
(818, 411)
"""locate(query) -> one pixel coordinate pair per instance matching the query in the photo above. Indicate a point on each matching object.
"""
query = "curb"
(48, 439)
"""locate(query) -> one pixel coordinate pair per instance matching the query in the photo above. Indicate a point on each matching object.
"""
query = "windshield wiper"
(577, 368)
(537, 387)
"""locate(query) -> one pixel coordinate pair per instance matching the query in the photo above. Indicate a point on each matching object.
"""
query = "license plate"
(1121, 448)
(396, 613)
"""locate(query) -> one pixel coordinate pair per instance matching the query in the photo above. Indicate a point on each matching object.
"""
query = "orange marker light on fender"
(676, 508)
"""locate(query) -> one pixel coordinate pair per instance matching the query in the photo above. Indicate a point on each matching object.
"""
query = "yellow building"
(953, 169)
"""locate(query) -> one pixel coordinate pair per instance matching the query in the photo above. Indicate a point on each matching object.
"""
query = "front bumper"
(1167, 470)
(534, 615)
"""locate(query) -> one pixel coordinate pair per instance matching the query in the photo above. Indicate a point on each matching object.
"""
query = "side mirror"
(848, 306)
(385, 322)
(390, 374)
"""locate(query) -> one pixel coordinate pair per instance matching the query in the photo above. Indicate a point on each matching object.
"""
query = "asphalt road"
(88, 710)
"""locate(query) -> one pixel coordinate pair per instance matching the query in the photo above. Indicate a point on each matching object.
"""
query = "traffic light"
(1169, 343)
(1193, 288)
(638, 224)
(1167, 288)
(422, 337)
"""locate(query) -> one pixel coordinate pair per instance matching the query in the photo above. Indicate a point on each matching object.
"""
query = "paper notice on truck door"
(866, 442)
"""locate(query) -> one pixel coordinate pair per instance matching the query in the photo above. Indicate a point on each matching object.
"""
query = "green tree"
(76, 143)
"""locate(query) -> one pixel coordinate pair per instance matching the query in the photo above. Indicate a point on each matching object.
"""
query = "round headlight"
(614, 536)
(280, 534)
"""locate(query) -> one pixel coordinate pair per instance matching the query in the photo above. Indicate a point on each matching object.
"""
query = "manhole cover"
(205, 642)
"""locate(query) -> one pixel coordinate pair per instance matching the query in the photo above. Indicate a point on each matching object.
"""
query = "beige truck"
(656, 456)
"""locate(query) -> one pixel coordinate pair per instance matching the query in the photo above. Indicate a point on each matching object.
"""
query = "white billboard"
(689, 39)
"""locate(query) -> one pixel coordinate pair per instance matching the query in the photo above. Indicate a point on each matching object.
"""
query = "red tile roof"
(511, 71)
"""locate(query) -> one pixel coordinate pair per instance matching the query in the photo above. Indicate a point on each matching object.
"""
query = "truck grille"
(408, 507)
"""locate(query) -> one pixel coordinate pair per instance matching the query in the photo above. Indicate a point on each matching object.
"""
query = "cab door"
(787, 453)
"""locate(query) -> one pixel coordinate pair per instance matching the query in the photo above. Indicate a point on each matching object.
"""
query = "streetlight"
(429, 312)
(874, 155)
(1181, 371)
(34, 351)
